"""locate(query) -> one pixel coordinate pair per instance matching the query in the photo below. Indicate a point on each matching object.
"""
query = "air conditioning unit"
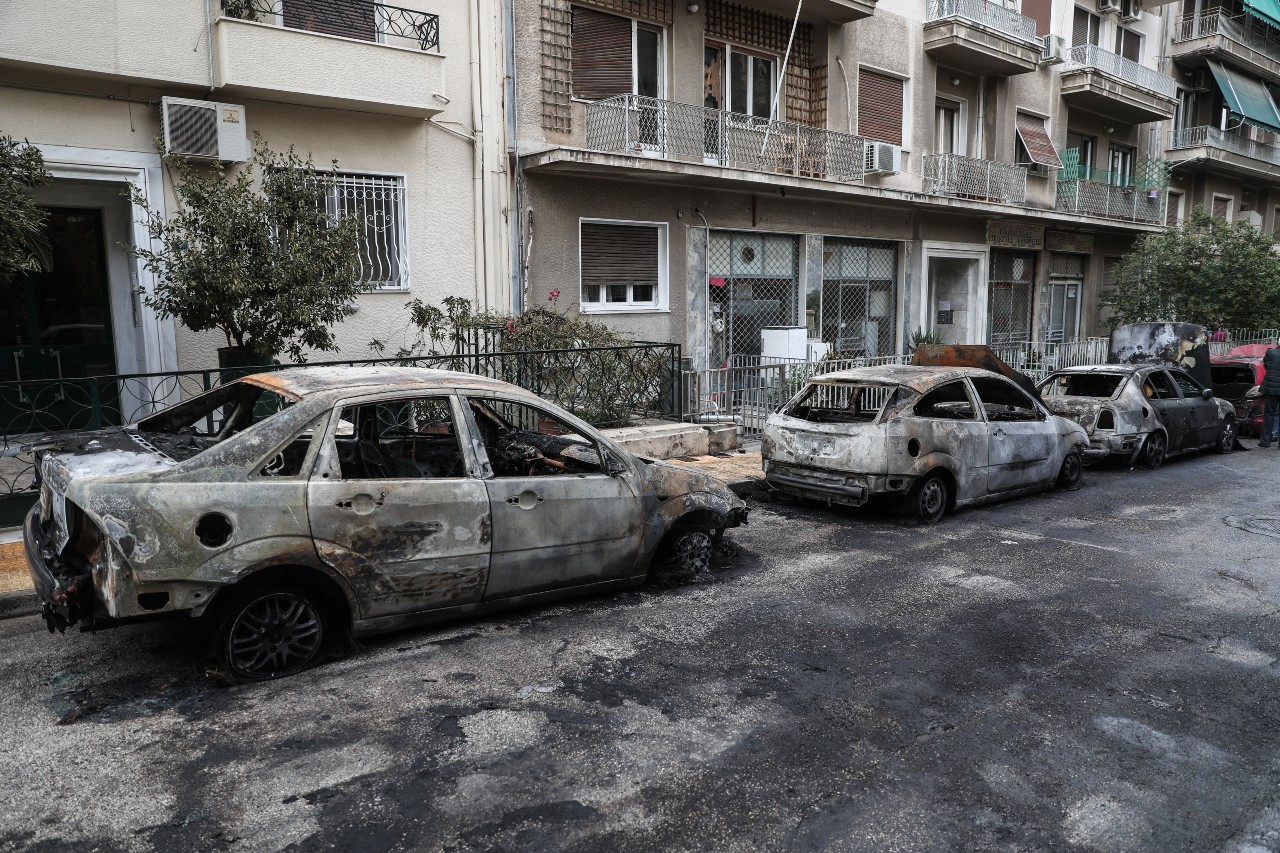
(1201, 80)
(1105, 6)
(1053, 49)
(883, 158)
(1130, 10)
(204, 130)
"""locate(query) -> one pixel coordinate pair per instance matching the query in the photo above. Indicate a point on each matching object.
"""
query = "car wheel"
(1072, 472)
(928, 500)
(270, 632)
(692, 551)
(1227, 440)
(1153, 451)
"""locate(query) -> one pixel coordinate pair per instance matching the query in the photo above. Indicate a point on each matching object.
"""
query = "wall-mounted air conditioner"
(1053, 49)
(1106, 6)
(204, 130)
(1130, 10)
(883, 158)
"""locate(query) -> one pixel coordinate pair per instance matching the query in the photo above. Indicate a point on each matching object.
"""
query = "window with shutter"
(1034, 145)
(1173, 212)
(602, 62)
(349, 18)
(1085, 27)
(1129, 44)
(1222, 207)
(623, 265)
(1040, 11)
(880, 106)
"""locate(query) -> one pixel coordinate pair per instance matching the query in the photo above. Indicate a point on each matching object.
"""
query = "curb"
(22, 602)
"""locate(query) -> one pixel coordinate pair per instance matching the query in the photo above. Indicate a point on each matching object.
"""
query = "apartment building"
(699, 171)
(390, 93)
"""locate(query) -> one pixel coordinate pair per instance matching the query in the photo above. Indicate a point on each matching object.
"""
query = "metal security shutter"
(1041, 11)
(879, 107)
(601, 54)
(1171, 213)
(1037, 142)
(350, 18)
(1084, 27)
(1128, 44)
(1221, 207)
(619, 260)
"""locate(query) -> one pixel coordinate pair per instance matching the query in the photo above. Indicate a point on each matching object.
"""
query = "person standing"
(1271, 392)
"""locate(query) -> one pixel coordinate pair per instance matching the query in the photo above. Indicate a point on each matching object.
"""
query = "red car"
(1233, 375)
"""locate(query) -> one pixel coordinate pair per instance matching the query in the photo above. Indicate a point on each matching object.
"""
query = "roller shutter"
(619, 262)
(880, 107)
(601, 54)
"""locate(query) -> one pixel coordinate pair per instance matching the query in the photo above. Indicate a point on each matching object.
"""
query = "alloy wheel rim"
(274, 634)
(1155, 451)
(694, 552)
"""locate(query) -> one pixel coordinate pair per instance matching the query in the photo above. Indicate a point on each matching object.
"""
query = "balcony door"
(740, 85)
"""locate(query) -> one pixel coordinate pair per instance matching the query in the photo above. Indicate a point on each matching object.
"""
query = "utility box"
(783, 343)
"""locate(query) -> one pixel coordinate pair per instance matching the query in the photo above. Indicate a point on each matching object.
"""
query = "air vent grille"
(193, 130)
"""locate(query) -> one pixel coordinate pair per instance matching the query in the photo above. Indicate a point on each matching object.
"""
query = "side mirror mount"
(1206, 394)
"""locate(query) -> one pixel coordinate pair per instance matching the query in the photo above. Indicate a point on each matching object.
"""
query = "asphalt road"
(1090, 670)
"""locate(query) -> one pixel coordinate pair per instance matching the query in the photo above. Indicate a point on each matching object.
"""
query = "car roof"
(913, 376)
(299, 382)
(1117, 368)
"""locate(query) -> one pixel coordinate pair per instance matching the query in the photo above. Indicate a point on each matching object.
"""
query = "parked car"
(1142, 412)
(1234, 374)
(288, 506)
(939, 437)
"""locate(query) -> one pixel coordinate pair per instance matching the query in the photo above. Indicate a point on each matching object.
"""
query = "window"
(1190, 388)
(880, 106)
(1003, 401)
(739, 81)
(948, 402)
(1275, 223)
(377, 201)
(1085, 145)
(1101, 385)
(1173, 213)
(1157, 386)
(1222, 207)
(947, 128)
(613, 55)
(407, 439)
(1129, 44)
(1033, 147)
(624, 265)
(523, 441)
(1120, 165)
(1086, 28)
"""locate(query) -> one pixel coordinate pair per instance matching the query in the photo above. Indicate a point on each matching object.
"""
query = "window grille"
(1010, 296)
(621, 265)
(859, 290)
(377, 201)
(753, 282)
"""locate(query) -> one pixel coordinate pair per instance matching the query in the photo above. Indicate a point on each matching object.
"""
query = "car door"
(1172, 409)
(395, 505)
(1204, 419)
(1020, 437)
(560, 517)
(944, 420)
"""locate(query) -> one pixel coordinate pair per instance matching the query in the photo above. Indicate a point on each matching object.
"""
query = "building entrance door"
(952, 282)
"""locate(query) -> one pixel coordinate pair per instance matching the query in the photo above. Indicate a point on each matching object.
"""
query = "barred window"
(624, 265)
(378, 202)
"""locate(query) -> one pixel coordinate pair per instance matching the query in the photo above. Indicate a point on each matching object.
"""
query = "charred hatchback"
(289, 506)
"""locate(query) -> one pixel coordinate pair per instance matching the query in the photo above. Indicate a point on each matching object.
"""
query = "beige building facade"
(395, 95)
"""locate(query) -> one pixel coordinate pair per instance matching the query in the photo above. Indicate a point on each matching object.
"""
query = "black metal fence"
(357, 19)
(605, 386)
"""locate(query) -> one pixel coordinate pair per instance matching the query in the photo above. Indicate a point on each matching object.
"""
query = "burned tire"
(1227, 440)
(692, 550)
(1153, 450)
(1071, 474)
(271, 631)
(928, 500)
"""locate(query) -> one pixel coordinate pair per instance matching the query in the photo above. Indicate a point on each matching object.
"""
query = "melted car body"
(941, 437)
(401, 495)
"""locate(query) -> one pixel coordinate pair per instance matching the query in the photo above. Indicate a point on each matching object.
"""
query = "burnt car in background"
(937, 437)
(1234, 375)
(285, 507)
(1140, 412)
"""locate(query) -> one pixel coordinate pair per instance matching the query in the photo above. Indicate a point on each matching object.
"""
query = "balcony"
(1209, 147)
(353, 54)
(816, 11)
(664, 130)
(1216, 33)
(1130, 197)
(1103, 82)
(978, 180)
(980, 37)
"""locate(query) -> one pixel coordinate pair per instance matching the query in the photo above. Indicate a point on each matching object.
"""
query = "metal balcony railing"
(1090, 57)
(357, 19)
(986, 14)
(1212, 137)
(650, 127)
(1242, 29)
(1111, 201)
(967, 177)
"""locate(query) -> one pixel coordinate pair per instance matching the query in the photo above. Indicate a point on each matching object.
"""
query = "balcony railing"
(1090, 57)
(650, 127)
(357, 19)
(986, 14)
(1111, 201)
(1212, 137)
(1235, 27)
(966, 177)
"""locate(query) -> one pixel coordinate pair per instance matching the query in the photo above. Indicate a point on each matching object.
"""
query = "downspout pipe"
(477, 162)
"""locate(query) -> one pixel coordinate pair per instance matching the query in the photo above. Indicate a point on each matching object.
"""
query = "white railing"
(1212, 137)
(986, 14)
(1090, 57)
(650, 127)
(1129, 203)
(1234, 28)
(967, 177)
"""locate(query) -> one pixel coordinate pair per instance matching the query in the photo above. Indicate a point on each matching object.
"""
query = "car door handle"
(528, 499)
(362, 504)
(999, 433)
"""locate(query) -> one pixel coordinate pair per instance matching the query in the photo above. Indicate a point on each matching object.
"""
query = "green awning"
(1247, 99)
(1267, 10)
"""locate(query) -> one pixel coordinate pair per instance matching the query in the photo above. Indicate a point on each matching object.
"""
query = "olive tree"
(24, 246)
(1205, 270)
(254, 255)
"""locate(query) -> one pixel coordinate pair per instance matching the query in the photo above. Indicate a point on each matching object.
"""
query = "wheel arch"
(333, 589)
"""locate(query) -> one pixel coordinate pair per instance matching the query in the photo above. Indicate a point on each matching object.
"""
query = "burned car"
(938, 437)
(1141, 412)
(1236, 377)
(288, 506)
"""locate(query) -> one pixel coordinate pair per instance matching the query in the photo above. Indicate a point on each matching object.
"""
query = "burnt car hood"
(1080, 410)
(667, 479)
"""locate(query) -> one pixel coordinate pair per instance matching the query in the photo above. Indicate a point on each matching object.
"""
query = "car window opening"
(522, 441)
(1102, 385)
(405, 439)
(946, 402)
(844, 402)
(197, 424)
(1231, 381)
(1002, 401)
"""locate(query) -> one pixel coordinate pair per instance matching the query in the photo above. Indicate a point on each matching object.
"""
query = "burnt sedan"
(939, 437)
(287, 507)
(1141, 413)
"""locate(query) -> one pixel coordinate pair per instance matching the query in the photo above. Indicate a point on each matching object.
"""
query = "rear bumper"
(65, 597)
(831, 486)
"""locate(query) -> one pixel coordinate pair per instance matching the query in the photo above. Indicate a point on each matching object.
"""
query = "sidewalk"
(740, 469)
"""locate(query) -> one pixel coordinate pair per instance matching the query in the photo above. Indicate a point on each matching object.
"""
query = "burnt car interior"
(412, 439)
(201, 422)
(1158, 387)
(844, 402)
(1103, 385)
(1004, 402)
(1232, 381)
(522, 441)
(947, 402)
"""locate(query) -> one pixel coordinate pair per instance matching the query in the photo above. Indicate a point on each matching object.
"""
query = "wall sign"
(944, 318)
(1014, 235)
(1068, 241)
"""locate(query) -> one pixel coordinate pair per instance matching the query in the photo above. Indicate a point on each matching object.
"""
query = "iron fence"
(971, 178)
(651, 127)
(1212, 137)
(991, 15)
(1095, 198)
(1245, 30)
(1222, 341)
(358, 19)
(1090, 57)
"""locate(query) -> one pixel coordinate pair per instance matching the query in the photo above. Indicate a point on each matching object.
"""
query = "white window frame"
(908, 111)
(1032, 168)
(636, 25)
(729, 49)
(1128, 33)
(1231, 205)
(1102, 26)
(961, 106)
(1177, 199)
(402, 225)
(661, 304)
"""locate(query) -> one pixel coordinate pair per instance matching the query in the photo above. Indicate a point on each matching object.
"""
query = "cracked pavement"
(1089, 670)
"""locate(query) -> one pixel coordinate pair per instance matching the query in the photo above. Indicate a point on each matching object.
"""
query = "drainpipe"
(477, 163)
(515, 193)
(848, 95)
(979, 136)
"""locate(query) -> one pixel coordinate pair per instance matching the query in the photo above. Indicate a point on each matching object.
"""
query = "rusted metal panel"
(970, 355)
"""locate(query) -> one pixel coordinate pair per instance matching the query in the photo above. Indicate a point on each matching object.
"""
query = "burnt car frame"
(938, 437)
(287, 506)
(1140, 413)
(1234, 376)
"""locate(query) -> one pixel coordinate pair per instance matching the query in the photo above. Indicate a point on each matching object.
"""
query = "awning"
(1038, 144)
(1267, 10)
(1247, 99)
